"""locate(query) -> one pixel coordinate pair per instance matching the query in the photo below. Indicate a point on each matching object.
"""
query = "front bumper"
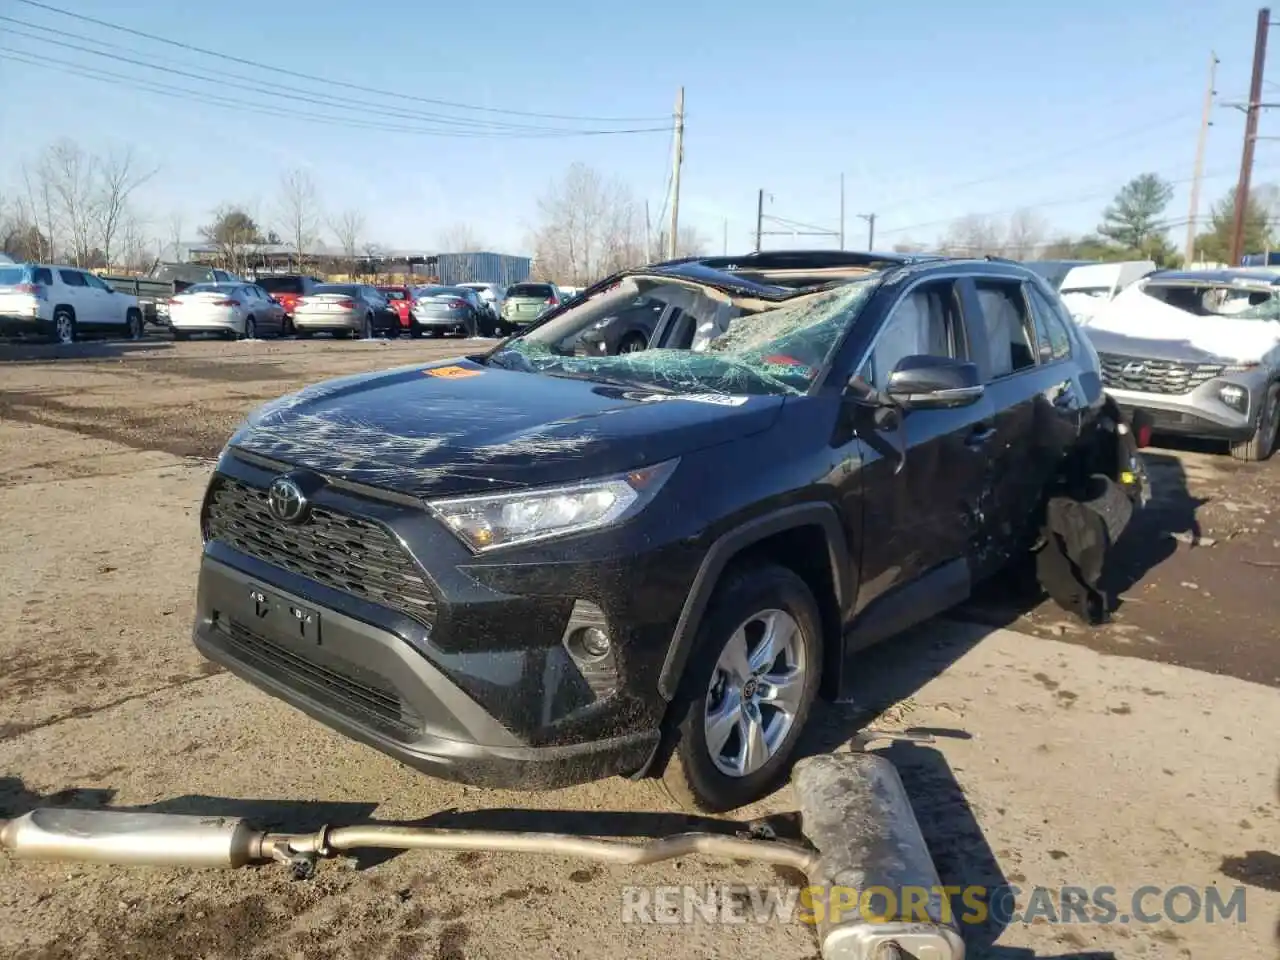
(1197, 414)
(368, 684)
(476, 683)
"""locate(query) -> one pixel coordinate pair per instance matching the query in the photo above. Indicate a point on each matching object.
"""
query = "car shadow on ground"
(26, 351)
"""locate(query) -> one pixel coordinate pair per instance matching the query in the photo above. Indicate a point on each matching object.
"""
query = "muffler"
(854, 810)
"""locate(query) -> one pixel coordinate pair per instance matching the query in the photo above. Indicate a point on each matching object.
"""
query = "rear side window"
(281, 284)
(1008, 326)
(42, 275)
(530, 290)
(1051, 334)
(72, 278)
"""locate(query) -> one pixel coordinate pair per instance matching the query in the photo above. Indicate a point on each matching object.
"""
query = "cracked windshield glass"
(702, 341)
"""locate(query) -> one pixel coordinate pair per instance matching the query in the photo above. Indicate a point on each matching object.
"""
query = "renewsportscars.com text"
(972, 905)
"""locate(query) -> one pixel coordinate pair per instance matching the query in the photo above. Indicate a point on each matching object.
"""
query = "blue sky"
(931, 110)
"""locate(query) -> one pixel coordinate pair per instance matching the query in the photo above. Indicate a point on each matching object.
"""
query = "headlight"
(1237, 398)
(489, 521)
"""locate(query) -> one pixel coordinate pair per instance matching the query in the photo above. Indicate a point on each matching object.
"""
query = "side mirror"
(934, 383)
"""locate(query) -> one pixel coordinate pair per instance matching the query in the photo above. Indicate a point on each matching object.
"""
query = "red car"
(286, 289)
(401, 301)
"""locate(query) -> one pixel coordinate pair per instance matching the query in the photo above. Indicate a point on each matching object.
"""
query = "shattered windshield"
(704, 342)
(1239, 303)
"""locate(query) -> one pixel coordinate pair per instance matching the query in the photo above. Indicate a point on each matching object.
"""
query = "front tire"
(366, 328)
(1263, 442)
(747, 690)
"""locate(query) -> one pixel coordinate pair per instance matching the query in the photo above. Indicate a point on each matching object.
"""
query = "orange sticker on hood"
(452, 373)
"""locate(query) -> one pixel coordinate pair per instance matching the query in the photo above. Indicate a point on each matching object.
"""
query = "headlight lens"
(491, 521)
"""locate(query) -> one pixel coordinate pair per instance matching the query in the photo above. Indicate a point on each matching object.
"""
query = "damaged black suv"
(530, 568)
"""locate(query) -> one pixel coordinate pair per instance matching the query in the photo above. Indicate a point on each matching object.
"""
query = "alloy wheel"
(755, 692)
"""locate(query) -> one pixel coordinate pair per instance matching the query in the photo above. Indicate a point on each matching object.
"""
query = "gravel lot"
(1139, 753)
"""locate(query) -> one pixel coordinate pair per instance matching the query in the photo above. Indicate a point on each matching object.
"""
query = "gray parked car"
(345, 309)
(1199, 352)
(441, 309)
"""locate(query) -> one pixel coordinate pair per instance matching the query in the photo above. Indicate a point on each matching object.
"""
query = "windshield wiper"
(608, 381)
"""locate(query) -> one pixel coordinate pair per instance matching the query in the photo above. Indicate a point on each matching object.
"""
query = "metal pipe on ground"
(854, 811)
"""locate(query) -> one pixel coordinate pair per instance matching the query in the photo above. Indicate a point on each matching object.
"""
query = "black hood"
(457, 427)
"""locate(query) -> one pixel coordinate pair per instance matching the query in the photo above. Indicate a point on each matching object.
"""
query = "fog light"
(1237, 398)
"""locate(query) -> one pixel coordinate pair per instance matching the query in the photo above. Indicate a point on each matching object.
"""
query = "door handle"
(979, 435)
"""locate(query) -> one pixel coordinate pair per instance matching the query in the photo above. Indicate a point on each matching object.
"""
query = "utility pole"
(842, 211)
(677, 159)
(1189, 252)
(648, 240)
(871, 229)
(759, 218)
(725, 247)
(1250, 137)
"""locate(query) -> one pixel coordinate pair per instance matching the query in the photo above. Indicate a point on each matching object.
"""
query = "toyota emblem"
(1135, 369)
(286, 500)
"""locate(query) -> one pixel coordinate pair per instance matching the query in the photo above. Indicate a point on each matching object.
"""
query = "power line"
(191, 48)
(1062, 201)
(197, 96)
(1039, 162)
(292, 93)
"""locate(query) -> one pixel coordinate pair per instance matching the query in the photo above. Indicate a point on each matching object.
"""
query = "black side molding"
(725, 549)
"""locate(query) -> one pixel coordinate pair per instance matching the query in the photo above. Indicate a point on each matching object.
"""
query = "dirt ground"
(1142, 752)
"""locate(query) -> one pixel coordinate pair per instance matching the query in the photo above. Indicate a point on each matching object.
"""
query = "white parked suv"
(64, 303)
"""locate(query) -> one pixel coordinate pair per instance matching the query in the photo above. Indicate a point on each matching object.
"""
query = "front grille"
(355, 691)
(1156, 376)
(347, 553)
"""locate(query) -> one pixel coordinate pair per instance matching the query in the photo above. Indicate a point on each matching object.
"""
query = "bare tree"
(588, 228)
(1026, 232)
(135, 251)
(175, 235)
(70, 174)
(113, 179)
(39, 200)
(459, 238)
(348, 228)
(974, 235)
(373, 253)
(299, 211)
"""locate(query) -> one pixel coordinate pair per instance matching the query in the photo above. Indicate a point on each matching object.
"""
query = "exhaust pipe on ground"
(854, 811)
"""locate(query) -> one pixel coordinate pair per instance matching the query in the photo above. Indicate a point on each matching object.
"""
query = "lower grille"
(347, 553)
(355, 691)
(1156, 376)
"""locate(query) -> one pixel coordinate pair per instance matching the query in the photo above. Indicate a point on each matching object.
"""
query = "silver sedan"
(344, 309)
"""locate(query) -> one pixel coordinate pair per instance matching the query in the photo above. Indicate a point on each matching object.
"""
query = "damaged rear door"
(1039, 404)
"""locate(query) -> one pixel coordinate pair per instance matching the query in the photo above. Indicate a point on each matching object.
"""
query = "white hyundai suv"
(64, 303)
